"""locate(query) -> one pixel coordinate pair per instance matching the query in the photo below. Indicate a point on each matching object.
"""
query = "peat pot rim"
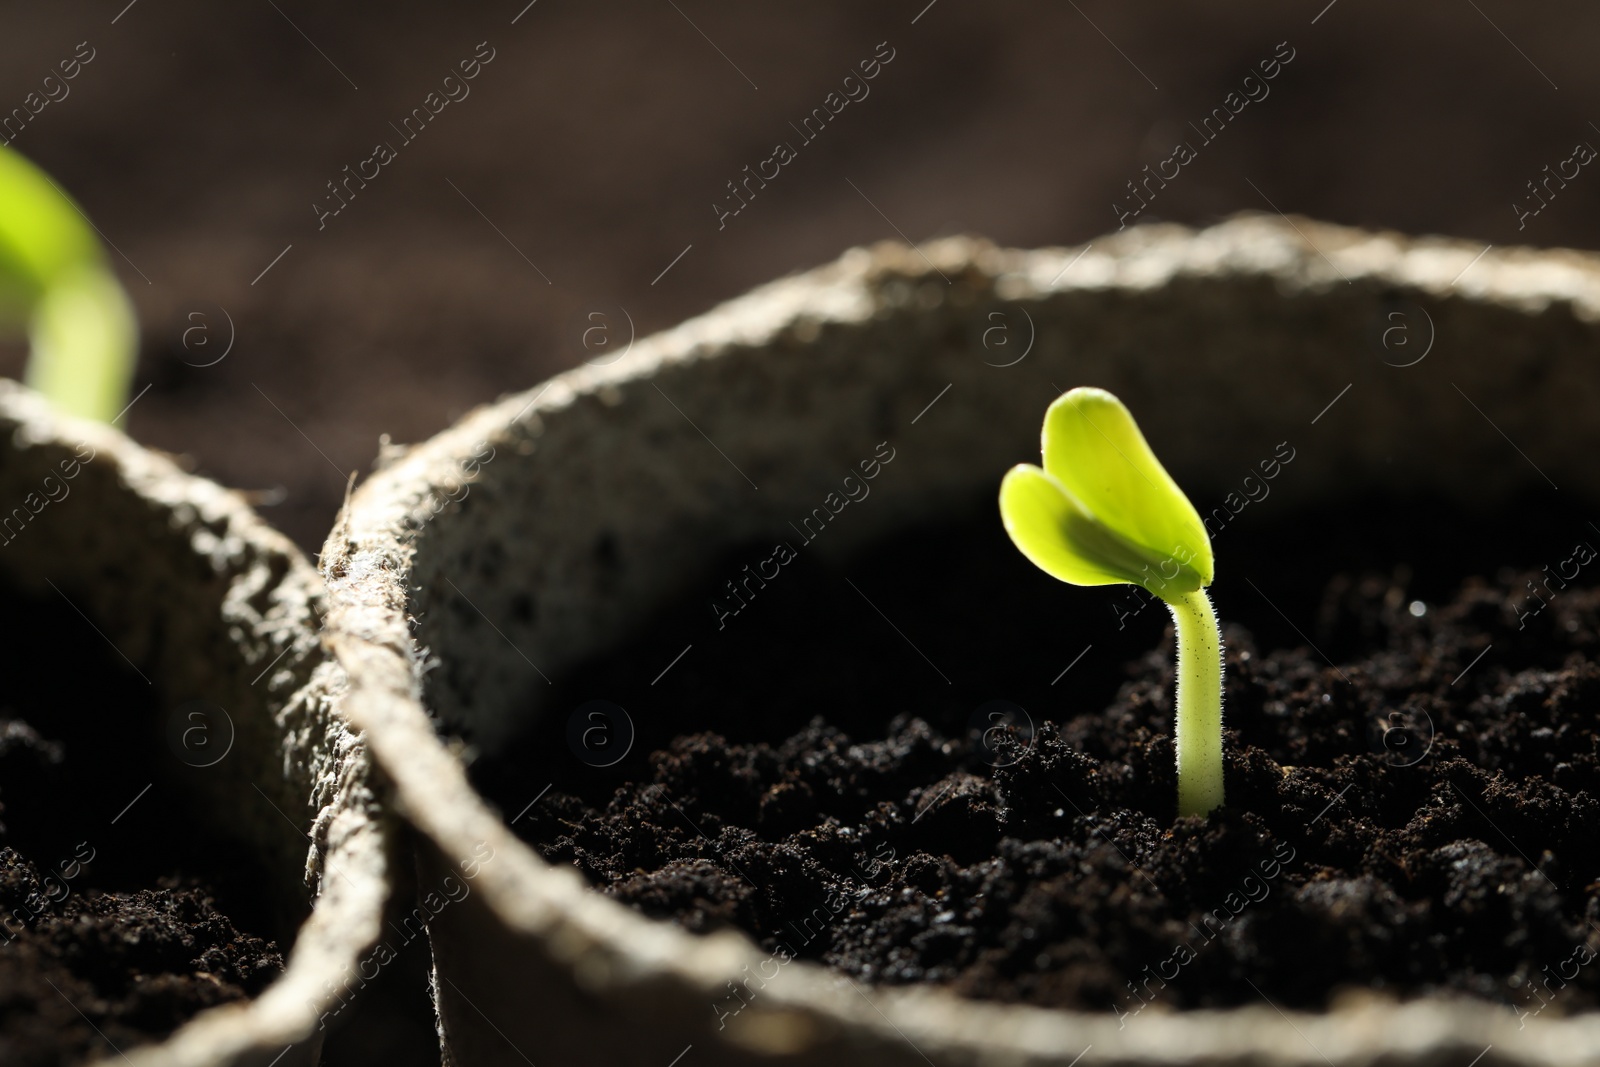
(614, 952)
(283, 682)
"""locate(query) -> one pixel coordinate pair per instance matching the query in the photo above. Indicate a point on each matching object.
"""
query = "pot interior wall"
(630, 481)
(149, 571)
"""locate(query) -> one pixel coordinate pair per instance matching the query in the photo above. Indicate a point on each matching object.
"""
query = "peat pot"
(472, 571)
(210, 618)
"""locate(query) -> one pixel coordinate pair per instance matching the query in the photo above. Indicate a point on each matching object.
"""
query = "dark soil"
(1415, 814)
(116, 925)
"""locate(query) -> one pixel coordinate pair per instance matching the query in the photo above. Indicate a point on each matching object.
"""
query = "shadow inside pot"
(125, 910)
(676, 770)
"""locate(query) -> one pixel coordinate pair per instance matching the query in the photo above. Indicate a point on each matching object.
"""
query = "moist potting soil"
(119, 921)
(933, 764)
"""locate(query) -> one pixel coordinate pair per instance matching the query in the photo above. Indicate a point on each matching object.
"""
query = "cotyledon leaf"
(1094, 448)
(1103, 510)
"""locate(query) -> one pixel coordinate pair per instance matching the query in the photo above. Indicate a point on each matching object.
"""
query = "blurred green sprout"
(1104, 511)
(55, 282)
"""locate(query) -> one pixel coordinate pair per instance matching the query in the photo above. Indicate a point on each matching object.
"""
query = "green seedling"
(54, 280)
(1104, 511)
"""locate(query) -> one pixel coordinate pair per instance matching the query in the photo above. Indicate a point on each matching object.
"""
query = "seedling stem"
(1104, 511)
(1199, 728)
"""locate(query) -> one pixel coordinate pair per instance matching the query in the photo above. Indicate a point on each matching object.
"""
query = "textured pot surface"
(535, 533)
(210, 604)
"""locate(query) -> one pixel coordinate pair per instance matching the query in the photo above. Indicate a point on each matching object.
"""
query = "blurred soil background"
(593, 145)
